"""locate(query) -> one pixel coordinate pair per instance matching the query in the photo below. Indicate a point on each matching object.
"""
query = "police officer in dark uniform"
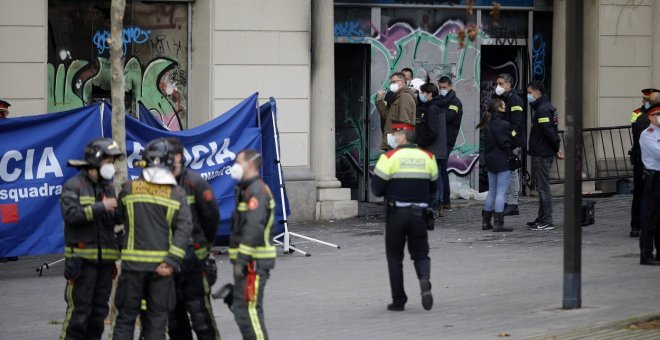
(192, 283)
(88, 205)
(406, 176)
(158, 229)
(250, 247)
(516, 115)
(639, 122)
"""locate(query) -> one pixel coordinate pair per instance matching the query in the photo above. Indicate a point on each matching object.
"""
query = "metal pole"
(573, 165)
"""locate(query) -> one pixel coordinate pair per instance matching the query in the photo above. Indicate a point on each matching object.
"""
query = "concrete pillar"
(332, 201)
(559, 59)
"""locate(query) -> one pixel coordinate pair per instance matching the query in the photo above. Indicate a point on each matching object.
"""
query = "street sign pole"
(573, 164)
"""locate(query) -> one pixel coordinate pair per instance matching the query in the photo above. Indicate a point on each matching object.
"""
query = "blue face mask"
(422, 98)
(530, 98)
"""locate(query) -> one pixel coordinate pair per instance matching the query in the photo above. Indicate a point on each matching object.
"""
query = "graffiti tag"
(130, 35)
(349, 29)
(538, 57)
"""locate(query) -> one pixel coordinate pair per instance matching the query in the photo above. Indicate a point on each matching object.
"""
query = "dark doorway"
(496, 60)
(351, 108)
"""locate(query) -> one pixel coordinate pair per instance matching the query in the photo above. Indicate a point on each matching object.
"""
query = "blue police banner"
(148, 118)
(270, 142)
(33, 155)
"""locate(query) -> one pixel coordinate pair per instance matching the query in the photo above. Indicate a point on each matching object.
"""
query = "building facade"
(323, 61)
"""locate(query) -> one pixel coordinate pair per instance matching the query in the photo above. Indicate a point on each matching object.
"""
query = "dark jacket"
(432, 128)
(640, 124)
(543, 136)
(454, 117)
(252, 225)
(204, 211)
(499, 143)
(158, 225)
(515, 114)
(403, 109)
(88, 227)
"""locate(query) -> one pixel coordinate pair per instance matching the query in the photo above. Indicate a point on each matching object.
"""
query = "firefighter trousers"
(87, 297)
(248, 303)
(192, 298)
(158, 291)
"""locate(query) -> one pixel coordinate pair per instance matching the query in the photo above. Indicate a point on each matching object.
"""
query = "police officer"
(406, 176)
(158, 229)
(639, 122)
(649, 142)
(192, 285)
(4, 109)
(515, 114)
(88, 205)
(250, 248)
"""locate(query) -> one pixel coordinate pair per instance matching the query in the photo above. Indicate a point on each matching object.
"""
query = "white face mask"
(391, 141)
(647, 105)
(444, 92)
(236, 171)
(394, 87)
(499, 90)
(107, 171)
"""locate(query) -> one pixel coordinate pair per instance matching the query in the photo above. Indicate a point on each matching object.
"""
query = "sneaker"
(542, 226)
(533, 223)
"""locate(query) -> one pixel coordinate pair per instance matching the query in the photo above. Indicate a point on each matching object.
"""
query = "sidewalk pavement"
(485, 284)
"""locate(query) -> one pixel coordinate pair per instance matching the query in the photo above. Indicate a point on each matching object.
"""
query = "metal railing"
(604, 155)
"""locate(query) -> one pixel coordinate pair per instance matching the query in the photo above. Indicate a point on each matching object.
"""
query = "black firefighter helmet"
(158, 153)
(95, 151)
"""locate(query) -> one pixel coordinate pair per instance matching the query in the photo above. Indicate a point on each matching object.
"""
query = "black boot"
(511, 210)
(427, 298)
(487, 215)
(499, 223)
(648, 260)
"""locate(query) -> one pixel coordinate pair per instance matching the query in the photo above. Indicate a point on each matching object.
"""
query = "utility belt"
(414, 209)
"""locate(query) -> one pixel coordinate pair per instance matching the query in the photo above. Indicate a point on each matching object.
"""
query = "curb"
(607, 330)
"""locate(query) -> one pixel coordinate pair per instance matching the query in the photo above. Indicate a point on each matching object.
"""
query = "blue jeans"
(498, 183)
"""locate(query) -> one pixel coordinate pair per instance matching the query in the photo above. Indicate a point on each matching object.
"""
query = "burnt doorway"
(352, 62)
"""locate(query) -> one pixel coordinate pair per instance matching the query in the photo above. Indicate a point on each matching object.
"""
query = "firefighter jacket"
(406, 174)
(544, 138)
(252, 225)
(88, 227)
(157, 225)
(454, 117)
(515, 115)
(204, 211)
(403, 109)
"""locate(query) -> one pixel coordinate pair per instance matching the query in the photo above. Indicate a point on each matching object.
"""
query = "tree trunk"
(117, 87)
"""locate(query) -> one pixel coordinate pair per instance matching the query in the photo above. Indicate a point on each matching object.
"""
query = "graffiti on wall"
(70, 86)
(431, 54)
(155, 46)
(538, 57)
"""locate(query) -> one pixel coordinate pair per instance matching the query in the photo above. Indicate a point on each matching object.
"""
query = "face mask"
(107, 171)
(236, 172)
(422, 98)
(530, 98)
(391, 141)
(444, 92)
(394, 87)
(499, 90)
(647, 105)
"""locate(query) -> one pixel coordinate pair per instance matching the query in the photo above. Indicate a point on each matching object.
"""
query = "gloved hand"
(239, 271)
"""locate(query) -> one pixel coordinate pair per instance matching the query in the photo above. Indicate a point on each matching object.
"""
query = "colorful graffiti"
(538, 57)
(156, 86)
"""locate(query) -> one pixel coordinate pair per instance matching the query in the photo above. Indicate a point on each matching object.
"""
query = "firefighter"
(158, 226)
(194, 281)
(406, 176)
(515, 114)
(88, 205)
(639, 122)
(250, 248)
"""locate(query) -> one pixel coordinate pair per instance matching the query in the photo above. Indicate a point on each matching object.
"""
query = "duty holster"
(427, 214)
